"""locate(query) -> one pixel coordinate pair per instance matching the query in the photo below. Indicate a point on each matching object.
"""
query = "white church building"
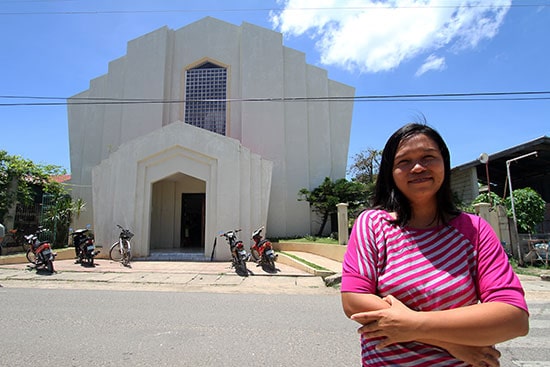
(204, 129)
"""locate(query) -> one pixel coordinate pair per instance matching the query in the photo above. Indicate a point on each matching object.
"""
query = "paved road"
(69, 327)
(213, 303)
(532, 350)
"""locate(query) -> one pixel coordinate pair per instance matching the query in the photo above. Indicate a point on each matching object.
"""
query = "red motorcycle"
(40, 252)
(262, 250)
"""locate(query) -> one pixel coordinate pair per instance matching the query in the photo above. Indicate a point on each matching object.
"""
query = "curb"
(333, 280)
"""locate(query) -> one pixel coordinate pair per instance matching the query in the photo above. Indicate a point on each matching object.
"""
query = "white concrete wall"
(306, 141)
(220, 162)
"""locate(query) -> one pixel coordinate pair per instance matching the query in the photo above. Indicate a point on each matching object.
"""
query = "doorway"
(192, 221)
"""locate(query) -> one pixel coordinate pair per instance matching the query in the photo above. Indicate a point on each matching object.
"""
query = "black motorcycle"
(84, 246)
(238, 253)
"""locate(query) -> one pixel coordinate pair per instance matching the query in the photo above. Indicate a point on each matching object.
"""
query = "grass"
(537, 270)
(310, 264)
(528, 269)
(311, 239)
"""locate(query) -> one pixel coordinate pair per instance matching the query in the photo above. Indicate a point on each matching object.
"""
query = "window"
(205, 95)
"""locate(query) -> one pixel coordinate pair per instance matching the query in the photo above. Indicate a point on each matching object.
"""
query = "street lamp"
(512, 196)
(484, 159)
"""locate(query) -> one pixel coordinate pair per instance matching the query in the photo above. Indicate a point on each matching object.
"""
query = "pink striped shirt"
(454, 265)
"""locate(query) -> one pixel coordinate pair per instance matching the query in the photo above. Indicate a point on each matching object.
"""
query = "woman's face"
(418, 169)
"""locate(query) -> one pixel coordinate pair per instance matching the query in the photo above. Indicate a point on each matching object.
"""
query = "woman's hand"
(475, 356)
(396, 324)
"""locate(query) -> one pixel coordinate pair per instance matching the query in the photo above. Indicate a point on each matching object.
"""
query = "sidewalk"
(291, 277)
(164, 276)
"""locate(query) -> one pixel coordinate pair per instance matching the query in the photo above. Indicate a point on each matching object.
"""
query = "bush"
(529, 207)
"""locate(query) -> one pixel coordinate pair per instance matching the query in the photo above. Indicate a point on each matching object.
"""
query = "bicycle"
(120, 251)
(13, 239)
(538, 253)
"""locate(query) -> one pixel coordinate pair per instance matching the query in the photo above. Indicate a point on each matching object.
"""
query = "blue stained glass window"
(205, 97)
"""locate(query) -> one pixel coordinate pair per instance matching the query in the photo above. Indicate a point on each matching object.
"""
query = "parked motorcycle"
(84, 246)
(40, 252)
(262, 250)
(238, 253)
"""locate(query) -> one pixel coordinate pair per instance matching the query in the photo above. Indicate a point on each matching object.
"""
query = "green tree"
(484, 198)
(528, 204)
(323, 199)
(365, 168)
(19, 176)
(19, 180)
(58, 217)
(529, 207)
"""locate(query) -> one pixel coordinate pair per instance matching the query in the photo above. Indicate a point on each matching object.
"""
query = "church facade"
(204, 129)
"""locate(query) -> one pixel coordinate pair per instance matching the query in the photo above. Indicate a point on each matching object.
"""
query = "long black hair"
(386, 194)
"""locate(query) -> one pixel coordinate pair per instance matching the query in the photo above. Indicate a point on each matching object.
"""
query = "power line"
(437, 97)
(228, 10)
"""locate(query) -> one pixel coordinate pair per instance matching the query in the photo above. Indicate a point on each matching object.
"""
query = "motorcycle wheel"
(49, 266)
(255, 254)
(271, 264)
(31, 257)
(242, 266)
(268, 263)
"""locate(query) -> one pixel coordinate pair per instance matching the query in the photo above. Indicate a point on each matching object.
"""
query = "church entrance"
(192, 221)
(178, 215)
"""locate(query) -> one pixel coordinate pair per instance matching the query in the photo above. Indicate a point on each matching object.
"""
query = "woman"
(429, 284)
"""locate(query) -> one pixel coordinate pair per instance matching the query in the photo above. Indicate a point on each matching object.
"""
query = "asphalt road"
(196, 316)
(68, 327)
(71, 327)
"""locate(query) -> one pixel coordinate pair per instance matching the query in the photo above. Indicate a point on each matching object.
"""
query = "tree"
(323, 199)
(19, 177)
(365, 168)
(58, 217)
(484, 198)
(529, 207)
(21, 181)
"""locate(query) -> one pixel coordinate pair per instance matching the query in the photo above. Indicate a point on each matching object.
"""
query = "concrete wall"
(306, 141)
(464, 184)
(334, 252)
(123, 185)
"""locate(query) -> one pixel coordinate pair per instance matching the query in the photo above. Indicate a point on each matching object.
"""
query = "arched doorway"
(178, 215)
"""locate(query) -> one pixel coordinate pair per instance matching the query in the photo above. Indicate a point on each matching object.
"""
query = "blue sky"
(385, 48)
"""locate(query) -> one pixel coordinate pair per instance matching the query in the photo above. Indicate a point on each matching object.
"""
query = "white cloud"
(432, 63)
(375, 36)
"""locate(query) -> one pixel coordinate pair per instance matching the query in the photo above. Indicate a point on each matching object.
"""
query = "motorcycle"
(238, 253)
(84, 246)
(262, 250)
(40, 252)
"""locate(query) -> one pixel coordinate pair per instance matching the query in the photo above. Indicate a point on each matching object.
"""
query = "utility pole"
(520, 254)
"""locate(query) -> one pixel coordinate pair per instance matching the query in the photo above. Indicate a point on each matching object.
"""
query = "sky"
(479, 69)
